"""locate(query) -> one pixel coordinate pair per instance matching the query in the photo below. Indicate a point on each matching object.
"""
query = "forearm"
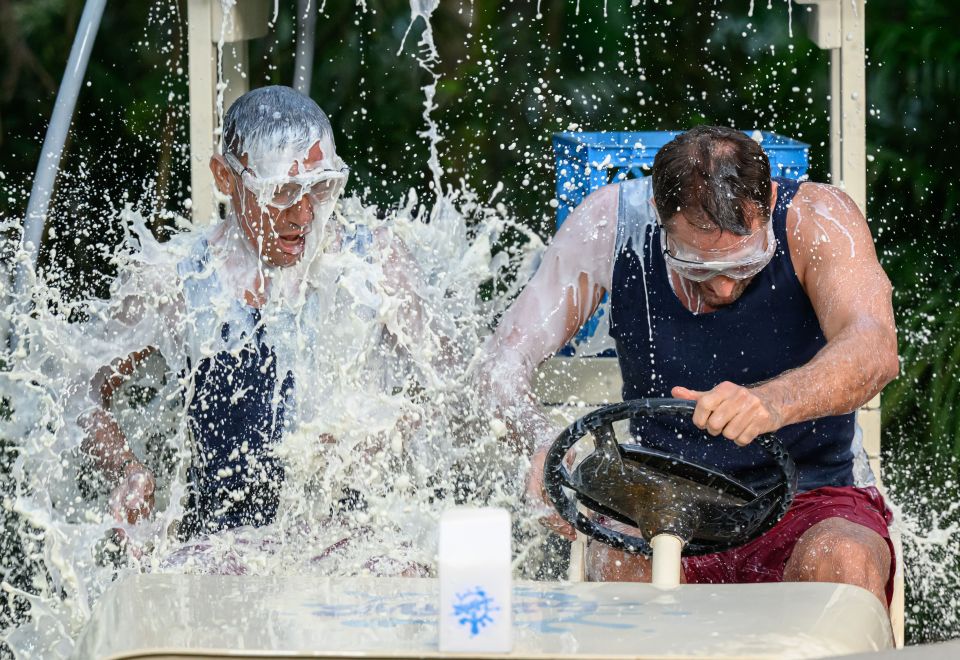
(543, 319)
(508, 385)
(105, 444)
(846, 373)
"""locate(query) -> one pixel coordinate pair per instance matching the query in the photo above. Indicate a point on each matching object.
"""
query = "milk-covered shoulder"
(636, 214)
(823, 216)
(836, 261)
(585, 242)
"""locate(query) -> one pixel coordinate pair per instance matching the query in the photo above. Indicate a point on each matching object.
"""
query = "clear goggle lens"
(320, 186)
(736, 268)
(288, 194)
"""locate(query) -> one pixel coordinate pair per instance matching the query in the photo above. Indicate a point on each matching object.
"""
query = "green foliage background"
(507, 80)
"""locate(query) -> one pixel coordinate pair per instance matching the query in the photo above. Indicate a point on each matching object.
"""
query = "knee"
(837, 550)
(605, 564)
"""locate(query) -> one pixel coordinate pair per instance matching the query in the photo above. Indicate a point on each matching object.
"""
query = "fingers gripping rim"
(556, 475)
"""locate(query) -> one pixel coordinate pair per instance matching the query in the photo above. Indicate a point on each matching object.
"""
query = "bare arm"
(105, 442)
(109, 451)
(837, 264)
(573, 275)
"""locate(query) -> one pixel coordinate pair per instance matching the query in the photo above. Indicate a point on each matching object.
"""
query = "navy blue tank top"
(770, 329)
(238, 411)
(236, 417)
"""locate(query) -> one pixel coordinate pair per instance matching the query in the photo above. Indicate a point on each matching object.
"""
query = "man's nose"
(304, 211)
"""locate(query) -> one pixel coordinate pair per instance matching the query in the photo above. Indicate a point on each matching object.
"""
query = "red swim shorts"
(764, 558)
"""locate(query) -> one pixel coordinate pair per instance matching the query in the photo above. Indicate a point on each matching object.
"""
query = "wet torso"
(770, 329)
(238, 402)
(236, 408)
(236, 415)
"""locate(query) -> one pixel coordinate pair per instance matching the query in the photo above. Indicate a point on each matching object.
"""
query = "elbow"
(888, 366)
(892, 367)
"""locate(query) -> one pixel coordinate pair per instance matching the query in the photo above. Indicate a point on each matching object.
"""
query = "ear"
(222, 174)
(773, 195)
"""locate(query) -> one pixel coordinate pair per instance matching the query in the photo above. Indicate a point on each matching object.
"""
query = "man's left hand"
(736, 412)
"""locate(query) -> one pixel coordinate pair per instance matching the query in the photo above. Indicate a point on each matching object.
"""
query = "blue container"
(587, 161)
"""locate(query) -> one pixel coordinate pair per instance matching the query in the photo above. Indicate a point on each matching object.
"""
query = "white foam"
(379, 341)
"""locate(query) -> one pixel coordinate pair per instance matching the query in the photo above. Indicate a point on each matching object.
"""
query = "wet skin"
(702, 238)
(278, 236)
(835, 261)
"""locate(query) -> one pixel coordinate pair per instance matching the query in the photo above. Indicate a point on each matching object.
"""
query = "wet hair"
(273, 117)
(715, 175)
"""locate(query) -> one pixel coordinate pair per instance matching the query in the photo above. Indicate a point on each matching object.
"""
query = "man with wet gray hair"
(759, 298)
(253, 288)
(280, 168)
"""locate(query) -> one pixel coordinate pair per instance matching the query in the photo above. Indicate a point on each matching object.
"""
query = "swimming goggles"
(740, 261)
(282, 192)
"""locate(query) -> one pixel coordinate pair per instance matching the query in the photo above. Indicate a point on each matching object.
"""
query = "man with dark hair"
(760, 299)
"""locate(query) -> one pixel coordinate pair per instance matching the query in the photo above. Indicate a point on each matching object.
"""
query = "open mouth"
(292, 244)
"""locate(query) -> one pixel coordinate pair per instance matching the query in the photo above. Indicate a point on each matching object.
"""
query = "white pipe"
(49, 165)
(666, 560)
(577, 568)
(59, 126)
(306, 29)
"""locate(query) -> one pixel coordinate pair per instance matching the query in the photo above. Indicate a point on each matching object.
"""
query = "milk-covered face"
(278, 197)
(718, 265)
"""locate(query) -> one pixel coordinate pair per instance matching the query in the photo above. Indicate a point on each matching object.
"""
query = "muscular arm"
(573, 275)
(836, 261)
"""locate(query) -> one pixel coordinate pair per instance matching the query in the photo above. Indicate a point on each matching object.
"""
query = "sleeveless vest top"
(238, 408)
(770, 329)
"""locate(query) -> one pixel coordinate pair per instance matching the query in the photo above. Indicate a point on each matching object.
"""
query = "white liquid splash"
(382, 404)
(381, 434)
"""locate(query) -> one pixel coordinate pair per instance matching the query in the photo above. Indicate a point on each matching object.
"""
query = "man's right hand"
(538, 498)
(133, 498)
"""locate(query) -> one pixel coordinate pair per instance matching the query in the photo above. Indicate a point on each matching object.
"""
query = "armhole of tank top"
(787, 240)
(189, 265)
(615, 257)
(618, 240)
(360, 240)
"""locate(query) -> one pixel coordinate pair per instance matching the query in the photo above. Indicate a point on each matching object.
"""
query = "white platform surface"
(177, 616)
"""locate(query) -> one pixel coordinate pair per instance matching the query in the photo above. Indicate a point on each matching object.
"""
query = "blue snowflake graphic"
(473, 608)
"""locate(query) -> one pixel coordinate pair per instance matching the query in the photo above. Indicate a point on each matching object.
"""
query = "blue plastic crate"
(587, 161)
